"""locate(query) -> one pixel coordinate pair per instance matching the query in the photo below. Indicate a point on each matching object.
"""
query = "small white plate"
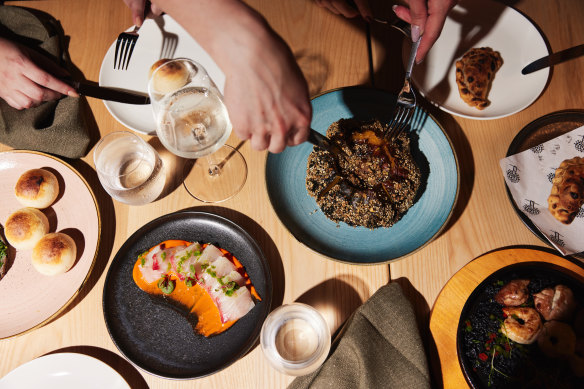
(484, 24)
(147, 51)
(64, 371)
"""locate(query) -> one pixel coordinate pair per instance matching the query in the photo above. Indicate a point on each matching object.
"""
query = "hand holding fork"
(127, 40)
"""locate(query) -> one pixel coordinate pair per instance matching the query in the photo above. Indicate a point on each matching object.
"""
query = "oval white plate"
(479, 24)
(148, 50)
(64, 371)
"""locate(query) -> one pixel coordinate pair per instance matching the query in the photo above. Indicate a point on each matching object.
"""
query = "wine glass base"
(216, 177)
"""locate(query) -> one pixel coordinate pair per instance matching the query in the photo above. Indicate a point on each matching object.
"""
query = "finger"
(418, 14)
(364, 9)
(260, 141)
(155, 11)
(21, 100)
(433, 28)
(42, 78)
(277, 143)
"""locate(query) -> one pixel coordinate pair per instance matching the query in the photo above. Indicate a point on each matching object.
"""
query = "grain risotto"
(373, 186)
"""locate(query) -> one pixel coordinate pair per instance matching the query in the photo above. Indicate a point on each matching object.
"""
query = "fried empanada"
(567, 194)
(475, 72)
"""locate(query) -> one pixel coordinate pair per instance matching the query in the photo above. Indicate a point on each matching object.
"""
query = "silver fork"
(406, 100)
(126, 42)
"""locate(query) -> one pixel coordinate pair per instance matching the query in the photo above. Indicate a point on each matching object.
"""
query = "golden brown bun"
(37, 188)
(54, 254)
(169, 78)
(25, 227)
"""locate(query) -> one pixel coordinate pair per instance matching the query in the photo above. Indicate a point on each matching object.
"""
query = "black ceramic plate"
(484, 316)
(156, 336)
(539, 131)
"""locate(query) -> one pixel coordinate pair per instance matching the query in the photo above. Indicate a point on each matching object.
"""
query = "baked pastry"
(54, 254)
(567, 194)
(37, 188)
(25, 227)
(475, 72)
(169, 78)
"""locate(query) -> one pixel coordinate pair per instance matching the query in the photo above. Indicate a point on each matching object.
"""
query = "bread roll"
(54, 254)
(169, 78)
(25, 227)
(37, 188)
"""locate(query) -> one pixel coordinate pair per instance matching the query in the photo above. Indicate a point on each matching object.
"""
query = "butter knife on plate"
(553, 59)
(92, 89)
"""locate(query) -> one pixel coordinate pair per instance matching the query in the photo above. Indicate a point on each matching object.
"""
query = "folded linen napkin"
(56, 127)
(380, 347)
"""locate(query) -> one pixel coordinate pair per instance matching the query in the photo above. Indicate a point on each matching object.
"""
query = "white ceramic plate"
(64, 371)
(35, 298)
(148, 50)
(479, 24)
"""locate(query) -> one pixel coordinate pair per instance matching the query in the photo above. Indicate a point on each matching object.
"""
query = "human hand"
(266, 95)
(23, 83)
(348, 9)
(429, 15)
(142, 9)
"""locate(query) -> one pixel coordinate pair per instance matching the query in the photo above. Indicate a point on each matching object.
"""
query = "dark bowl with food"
(523, 327)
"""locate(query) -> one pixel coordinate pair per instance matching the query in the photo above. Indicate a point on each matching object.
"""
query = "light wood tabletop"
(333, 52)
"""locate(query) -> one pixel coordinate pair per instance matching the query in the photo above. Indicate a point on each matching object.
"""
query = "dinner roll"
(37, 188)
(169, 78)
(54, 254)
(25, 227)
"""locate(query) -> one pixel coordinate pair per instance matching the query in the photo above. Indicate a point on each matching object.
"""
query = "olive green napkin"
(56, 127)
(380, 347)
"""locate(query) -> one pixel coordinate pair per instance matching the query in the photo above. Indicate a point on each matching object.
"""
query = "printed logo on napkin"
(529, 176)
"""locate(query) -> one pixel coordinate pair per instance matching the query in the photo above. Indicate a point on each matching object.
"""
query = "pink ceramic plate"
(28, 298)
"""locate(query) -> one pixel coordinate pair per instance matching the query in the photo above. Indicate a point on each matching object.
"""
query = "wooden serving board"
(446, 311)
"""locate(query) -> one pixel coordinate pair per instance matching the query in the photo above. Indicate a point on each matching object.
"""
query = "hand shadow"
(169, 40)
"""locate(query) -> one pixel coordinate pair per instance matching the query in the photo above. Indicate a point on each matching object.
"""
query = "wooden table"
(332, 52)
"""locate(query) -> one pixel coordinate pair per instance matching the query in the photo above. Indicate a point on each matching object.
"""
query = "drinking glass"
(192, 122)
(295, 339)
(129, 169)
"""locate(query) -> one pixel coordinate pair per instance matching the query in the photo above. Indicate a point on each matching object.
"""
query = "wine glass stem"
(214, 168)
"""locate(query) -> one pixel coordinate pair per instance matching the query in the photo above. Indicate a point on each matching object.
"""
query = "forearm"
(212, 23)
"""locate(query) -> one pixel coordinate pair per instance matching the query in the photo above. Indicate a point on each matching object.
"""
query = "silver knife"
(317, 139)
(553, 59)
(92, 89)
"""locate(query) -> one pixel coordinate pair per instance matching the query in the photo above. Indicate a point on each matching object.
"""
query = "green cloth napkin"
(55, 127)
(379, 348)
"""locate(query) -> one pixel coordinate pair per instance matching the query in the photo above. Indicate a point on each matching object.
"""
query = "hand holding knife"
(92, 89)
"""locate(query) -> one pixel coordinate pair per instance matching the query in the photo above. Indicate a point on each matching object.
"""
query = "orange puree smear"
(195, 298)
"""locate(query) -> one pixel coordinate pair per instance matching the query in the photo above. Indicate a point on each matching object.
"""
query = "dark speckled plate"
(158, 337)
(485, 315)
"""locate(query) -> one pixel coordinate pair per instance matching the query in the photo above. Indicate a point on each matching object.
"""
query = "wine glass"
(192, 122)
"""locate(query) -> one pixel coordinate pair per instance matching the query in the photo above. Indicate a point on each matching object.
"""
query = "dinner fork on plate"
(126, 42)
(406, 100)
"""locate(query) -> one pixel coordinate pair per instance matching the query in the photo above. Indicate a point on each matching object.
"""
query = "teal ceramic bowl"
(298, 211)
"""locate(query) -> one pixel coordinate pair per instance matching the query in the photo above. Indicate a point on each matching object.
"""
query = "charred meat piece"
(555, 304)
(513, 293)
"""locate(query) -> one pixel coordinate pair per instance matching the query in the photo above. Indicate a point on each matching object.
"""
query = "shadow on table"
(422, 312)
(113, 360)
(107, 218)
(324, 297)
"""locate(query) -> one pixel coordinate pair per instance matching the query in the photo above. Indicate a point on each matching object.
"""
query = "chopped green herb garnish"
(189, 282)
(192, 268)
(166, 285)
(142, 258)
(163, 255)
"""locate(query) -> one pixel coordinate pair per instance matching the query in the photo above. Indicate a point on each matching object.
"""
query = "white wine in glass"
(193, 123)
